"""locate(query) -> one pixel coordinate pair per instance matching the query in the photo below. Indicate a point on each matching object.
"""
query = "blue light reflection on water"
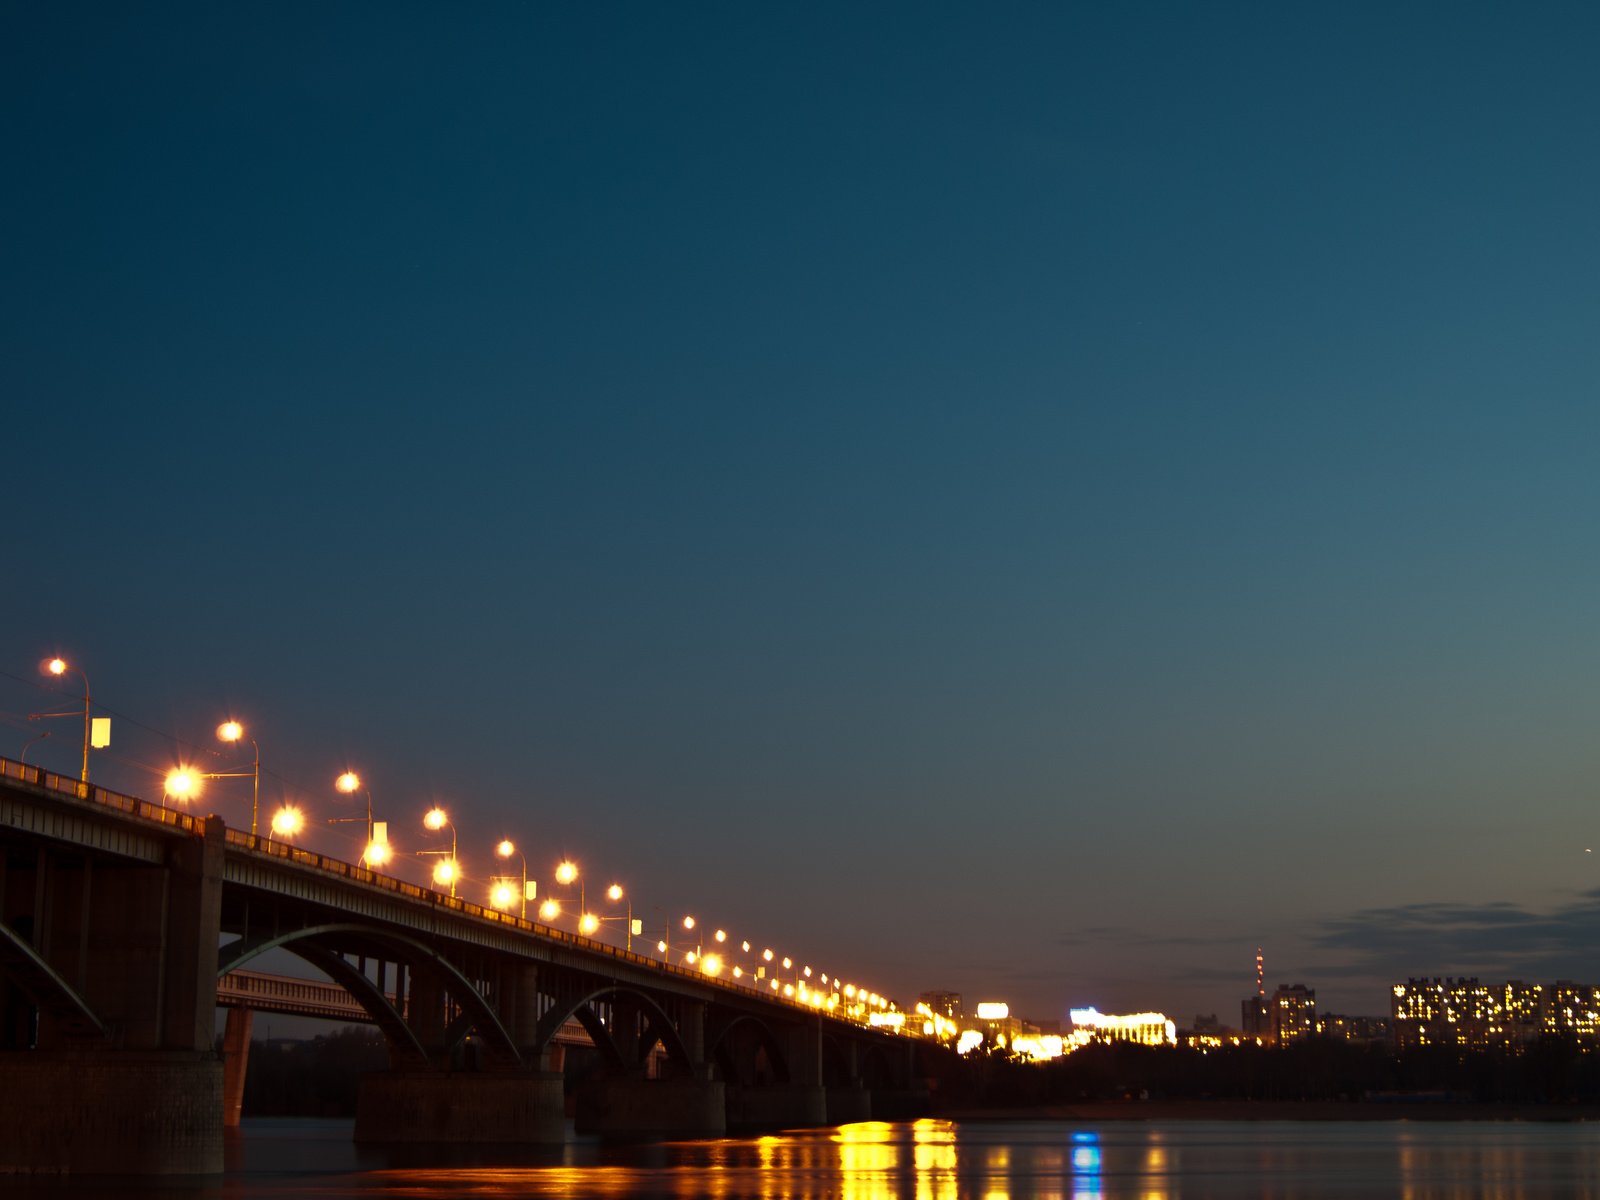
(927, 1160)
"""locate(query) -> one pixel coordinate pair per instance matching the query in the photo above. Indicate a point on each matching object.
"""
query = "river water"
(930, 1160)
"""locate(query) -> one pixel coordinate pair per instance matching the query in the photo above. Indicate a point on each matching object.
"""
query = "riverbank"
(1280, 1110)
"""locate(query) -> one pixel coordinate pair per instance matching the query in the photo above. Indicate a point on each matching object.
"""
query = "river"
(927, 1160)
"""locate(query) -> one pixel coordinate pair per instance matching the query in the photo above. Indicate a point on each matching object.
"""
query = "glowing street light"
(182, 784)
(505, 850)
(59, 667)
(288, 821)
(448, 869)
(376, 852)
(231, 731)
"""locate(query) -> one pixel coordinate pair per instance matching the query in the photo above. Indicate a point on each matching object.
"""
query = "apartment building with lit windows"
(1468, 1014)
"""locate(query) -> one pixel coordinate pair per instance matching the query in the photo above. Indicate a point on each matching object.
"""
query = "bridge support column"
(146, 1099)
(776, 1106)
(614, 1106)
(235, 1062)
(520, 1107)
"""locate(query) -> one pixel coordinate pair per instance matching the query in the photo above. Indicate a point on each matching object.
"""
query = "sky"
(1029, 500)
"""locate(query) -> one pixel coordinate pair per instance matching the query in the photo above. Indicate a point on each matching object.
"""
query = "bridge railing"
(38, 776)
(145, 810)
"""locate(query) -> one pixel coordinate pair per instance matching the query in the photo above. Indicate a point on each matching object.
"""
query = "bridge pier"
(139, 1091)
(776, 1106)
(615, 1106)
(485, 1107)
(235, 1062)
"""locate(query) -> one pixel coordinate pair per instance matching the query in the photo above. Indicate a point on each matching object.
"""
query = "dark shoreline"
(1280, 1110)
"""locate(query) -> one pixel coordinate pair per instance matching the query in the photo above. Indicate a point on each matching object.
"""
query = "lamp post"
(566, 875)
(505, 850)
(376, 850)
(447, 870)
(231, 731)
(59, 667)
(23, 757)
(287, 822)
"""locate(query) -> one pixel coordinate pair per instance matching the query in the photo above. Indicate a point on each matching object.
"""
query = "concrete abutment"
(512, 1107)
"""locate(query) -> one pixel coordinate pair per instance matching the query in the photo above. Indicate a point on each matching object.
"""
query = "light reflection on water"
(931, 1160)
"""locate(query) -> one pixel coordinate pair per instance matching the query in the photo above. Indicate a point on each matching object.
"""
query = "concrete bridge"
(118, 917)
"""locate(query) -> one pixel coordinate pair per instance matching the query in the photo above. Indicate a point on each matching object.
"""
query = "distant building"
(946, 1004)
(1149, 1029)
(1293, 1011)
(1254, 1019)
(1468, 1014)
(1362, 1030)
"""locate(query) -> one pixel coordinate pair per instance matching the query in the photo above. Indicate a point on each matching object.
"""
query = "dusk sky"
(1030, 500)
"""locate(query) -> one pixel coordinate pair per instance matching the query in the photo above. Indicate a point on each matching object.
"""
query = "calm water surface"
(936, 1160)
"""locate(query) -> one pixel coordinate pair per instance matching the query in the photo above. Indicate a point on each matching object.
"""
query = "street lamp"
(288, 821)
(39, 737)
(231, 731)
(59, 667)
(566, 875)
(182, 784)
(591, 922)
(376, 852)
(502, 894)
(446, 870)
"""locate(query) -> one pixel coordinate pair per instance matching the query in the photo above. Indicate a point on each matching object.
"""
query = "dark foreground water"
(932, 1160)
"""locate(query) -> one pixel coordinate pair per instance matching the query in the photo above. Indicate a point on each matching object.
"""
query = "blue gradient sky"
(1035, 502)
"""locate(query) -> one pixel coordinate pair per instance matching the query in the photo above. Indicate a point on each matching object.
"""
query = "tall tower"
(1254, 1018)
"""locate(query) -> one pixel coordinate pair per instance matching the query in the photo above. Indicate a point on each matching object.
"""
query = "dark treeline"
(315, 1078)
(320, 1077)
(1551, 1071)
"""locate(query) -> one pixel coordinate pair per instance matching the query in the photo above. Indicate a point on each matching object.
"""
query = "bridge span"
(118, 918)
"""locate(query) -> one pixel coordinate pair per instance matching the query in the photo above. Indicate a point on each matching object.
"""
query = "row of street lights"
(184, 783)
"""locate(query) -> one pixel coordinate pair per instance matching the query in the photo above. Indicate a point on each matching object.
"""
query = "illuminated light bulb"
(435, 819)
(691, 958)
(745, 946)
(444, 871)
(767, 954)
(377, 854)
(347, 783)
(737, 973)
(720, 935)
(502, 895)
(588, 923)
(230, 731)
(614, 892)
(712, 964)
(506, 848)
(288, 821)
(566, 872)
(550, 910)
(182, 783)
(661, 947)
(56, 666)
(688, 922)
(787, 963)
(807, 972)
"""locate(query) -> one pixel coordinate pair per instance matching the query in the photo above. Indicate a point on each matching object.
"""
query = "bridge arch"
(720, 1046)
(659, 1027)
(312, 945)
(43, 984)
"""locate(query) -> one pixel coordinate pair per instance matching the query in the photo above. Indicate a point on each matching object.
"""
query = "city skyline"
(1046, 501)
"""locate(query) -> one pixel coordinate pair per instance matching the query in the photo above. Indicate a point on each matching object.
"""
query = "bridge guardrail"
(278, 849)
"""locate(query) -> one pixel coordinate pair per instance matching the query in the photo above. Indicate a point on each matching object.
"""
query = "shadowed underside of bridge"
(121, 921)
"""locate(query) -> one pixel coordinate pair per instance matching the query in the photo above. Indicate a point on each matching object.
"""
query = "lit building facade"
(1293, 1010)
(1467, 1014)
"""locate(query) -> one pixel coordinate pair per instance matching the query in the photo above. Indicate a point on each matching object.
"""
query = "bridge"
(124, 923)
